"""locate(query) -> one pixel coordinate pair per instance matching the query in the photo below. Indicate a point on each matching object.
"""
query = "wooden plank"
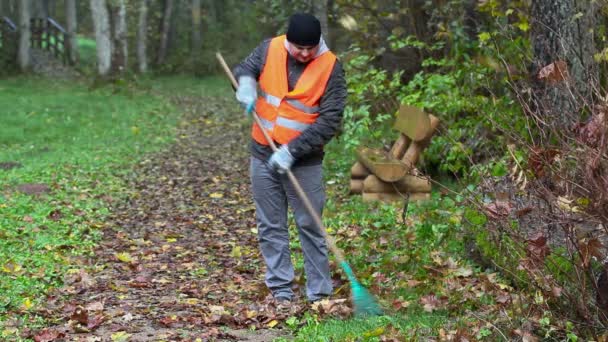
(413, 152)
(407, 184)
(394, 197)
(412, 122)
(379, 164)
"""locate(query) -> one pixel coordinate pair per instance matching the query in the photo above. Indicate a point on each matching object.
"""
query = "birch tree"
(72, 28)
(120, 45)
(142, 32)
(25, 34)
(101, 24)
(196, 29)
(164, 33)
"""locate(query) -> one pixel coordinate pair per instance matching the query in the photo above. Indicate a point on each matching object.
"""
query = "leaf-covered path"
(179, 259)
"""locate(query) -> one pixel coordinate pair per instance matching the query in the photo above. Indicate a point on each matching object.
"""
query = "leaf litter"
(179, 258)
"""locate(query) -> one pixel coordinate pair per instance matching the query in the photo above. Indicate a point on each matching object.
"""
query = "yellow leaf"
(120, 336)
(170, 240)
(9, 331)
(251, 313)
(484, 37)
(272, 323)
(27, 303)
(523, 25)
(374, 333)
(124, 257)
(135, 130)
(216, 195)
(191, 301)
(236, 252)
(11, 268)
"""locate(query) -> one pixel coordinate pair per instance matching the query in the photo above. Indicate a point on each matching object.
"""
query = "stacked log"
(358, 172)
(390, 176)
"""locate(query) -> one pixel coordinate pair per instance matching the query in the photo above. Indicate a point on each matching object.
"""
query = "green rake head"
(364, 302)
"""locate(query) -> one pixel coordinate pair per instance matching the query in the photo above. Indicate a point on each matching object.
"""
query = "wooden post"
(399, 147)
(415, 149)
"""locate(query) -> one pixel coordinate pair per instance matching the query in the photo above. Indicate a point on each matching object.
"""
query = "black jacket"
(307, 148)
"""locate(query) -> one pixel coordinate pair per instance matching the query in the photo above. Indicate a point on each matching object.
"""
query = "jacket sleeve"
(328, 123)
(253, 64)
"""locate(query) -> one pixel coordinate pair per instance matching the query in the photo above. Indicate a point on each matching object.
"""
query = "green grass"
(77, 142)
(415, 327)
(87, 49)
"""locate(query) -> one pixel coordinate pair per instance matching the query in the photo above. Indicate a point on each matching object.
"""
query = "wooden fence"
(48, 35)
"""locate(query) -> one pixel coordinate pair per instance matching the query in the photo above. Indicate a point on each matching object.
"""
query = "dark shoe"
(283, 305)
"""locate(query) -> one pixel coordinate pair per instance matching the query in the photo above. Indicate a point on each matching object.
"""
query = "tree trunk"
(320, 11)
(196, 30)
(101, 24)
(72, 28)
(121, 51)
(562, 31)
(142, 35)
(38, 8)
(164, 34)
(23, 55)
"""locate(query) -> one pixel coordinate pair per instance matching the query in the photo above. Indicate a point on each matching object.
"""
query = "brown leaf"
(590, 248)
(48, 335)
(169, 321)
(95, 306)
(537, 247)
(430, 302)
(80, 315)
(95, 322)
(55, 215)
(498, 209)
(554, 72)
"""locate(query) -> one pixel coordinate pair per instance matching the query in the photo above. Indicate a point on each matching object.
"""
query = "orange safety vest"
(286, 114)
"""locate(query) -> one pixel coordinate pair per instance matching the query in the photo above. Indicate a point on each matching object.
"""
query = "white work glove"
(281, 160)
(246, 93)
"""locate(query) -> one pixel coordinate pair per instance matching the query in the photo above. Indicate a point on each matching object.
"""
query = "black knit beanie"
(304, 29)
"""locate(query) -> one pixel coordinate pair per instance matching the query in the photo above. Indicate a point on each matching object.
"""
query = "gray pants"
(272, 193)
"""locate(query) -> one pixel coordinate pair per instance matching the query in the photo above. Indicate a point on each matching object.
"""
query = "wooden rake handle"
(294, 181)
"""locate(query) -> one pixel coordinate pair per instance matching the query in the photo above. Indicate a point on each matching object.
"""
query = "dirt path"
(179, 259)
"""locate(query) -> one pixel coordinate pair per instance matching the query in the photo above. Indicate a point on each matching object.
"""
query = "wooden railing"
(48, 35)
(8, 41)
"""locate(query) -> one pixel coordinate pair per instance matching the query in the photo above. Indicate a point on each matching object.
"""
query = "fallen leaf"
(554, 72)
(48, 335)
(120, 336)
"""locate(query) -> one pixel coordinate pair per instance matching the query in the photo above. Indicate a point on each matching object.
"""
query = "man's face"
(303, 54)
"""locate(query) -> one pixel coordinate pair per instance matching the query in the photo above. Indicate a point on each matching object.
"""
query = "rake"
(363, 301)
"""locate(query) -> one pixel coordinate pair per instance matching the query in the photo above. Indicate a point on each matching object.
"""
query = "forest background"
(519, 162)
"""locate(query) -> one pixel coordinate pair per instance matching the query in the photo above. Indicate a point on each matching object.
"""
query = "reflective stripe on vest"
(275, 101)
(266, 124)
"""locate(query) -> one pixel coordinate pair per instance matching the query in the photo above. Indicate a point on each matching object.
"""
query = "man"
(303, 94)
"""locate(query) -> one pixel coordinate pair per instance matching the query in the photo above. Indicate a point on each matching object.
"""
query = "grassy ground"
(76, 143)
(79, 142)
